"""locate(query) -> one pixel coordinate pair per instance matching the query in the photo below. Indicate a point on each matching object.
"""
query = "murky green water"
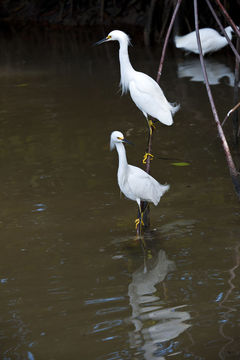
(74, 283)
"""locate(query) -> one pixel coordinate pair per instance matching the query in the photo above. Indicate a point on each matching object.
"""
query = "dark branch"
(223, 30)
(166, 39)
(231, 166)
(229, 19)
(236, 94)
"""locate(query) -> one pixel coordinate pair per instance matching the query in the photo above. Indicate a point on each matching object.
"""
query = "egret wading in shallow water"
(211, 40)
(134, 182)
(145, 92)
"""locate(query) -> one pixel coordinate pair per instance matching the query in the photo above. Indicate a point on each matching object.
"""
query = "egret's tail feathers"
(161, 191)
(164, 188)
(174, 108)
(166, 118)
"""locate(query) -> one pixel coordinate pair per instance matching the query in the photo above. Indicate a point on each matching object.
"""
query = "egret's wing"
(186, 40)
(208, 33)
(189, 41)
(149, 98)
(144, 186)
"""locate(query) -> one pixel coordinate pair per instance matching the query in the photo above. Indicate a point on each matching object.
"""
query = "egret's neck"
(122, 158)
(126, 68)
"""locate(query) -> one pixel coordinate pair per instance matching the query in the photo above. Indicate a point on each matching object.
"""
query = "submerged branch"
(231, 166)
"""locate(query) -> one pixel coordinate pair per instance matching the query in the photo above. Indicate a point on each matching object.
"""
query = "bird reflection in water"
(154, 325)
(216, 71)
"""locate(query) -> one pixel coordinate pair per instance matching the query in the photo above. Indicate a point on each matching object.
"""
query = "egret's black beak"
(103, 40)
(100, 42)
(127, 141)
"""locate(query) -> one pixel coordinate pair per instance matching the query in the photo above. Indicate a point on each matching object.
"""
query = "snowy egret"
(211, 40)
(134, 182)
(145, 92)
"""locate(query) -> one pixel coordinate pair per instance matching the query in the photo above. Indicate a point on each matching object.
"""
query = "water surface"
(74, 281)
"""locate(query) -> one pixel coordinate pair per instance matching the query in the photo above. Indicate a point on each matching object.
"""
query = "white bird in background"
(134, 182)
(144, 91)
(211, 40)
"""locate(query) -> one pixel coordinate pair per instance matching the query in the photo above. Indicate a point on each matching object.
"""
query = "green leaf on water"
(21, 85)
(180, 164)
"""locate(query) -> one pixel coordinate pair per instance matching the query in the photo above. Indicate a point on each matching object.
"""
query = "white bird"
(211, 40)
(134, 182)
(144, 91)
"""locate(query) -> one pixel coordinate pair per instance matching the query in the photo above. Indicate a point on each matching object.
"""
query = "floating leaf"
(21, 85)
(180, 164)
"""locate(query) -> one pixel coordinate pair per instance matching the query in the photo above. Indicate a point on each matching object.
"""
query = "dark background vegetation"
(150, 15)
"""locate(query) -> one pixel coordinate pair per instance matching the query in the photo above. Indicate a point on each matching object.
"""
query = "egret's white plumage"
(134, 182)
(211, 40)
(144, 91)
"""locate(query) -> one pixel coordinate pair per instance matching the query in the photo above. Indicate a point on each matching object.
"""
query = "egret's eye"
(109, 37)
(119, 138)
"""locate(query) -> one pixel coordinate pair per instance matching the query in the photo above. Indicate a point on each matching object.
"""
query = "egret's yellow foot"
(146, 156)
(137, 222)
(151, 126)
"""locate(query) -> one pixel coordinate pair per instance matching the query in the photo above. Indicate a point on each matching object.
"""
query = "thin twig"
(229, 19)
(236, 94)
(230, 113)
(223, 30)
(231, 166)
(166, 39)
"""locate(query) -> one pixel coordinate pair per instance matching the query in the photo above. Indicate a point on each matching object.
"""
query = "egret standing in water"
(134, 182)
(144, 91)
(211, 40)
